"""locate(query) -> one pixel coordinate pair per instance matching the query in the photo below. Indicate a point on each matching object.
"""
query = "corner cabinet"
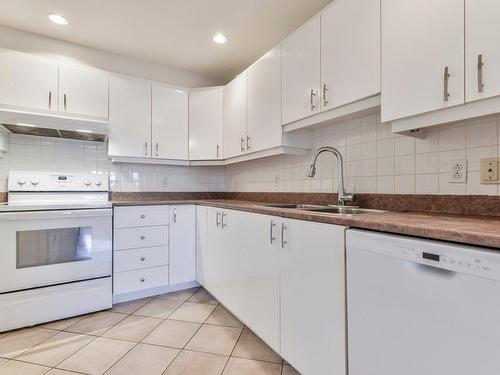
(269, 271)
(235, 117)
(206, 124)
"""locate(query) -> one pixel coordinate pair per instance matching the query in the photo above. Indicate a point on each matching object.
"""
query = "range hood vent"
(55, 133)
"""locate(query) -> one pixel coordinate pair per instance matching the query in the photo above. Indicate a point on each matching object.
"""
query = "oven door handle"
(55, 214)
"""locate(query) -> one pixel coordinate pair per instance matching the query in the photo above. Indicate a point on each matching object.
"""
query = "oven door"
(41, 248)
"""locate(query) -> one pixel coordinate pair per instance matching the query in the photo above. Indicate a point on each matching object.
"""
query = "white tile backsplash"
(377, 161)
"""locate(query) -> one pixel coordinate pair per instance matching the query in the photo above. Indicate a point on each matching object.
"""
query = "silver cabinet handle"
(283, 242)
(143, 259)
(142, 279)
(249, 143)
(143, 237)
(325, 100)
(446, 77)
(313, 94)
(480, 64)
(146, 148)
(143, 216)
(65, 101)
(175, 215)
(157, 147)
(223, 224)
(50, 99)
(217, 219)
(218, 147)
(242, 144)
(271, 232)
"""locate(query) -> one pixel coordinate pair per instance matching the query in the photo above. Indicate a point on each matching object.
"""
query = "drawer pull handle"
(142, 279)
(143, 259)
(143, 216)
(143, 237)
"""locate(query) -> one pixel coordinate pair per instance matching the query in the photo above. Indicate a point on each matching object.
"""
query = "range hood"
(54, 125)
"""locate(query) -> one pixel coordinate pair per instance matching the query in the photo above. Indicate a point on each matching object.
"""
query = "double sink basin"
(336, 210)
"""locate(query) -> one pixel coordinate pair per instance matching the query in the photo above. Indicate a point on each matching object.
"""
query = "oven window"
(52, 246)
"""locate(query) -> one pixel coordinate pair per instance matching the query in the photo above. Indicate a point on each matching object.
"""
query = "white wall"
(69, 52)
(376, 161)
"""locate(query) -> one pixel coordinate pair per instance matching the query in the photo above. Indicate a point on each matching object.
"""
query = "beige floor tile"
(196, 363)
(56, 371)
(214, 339)
(173, 333)
(61, 325)
(97, 323)
(3, 360)
(222, 317)
(21, 340)
(133, 328)
(251, 347)
(181, 295)
(158, 308)
(289, 370)
(202, 296)
(130, 307)
(193, 312)
(243, 366)
(22, 368)
(144, 359)
(56, 349)
(97, 357)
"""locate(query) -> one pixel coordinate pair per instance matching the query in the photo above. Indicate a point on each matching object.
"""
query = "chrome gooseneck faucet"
(343, 197)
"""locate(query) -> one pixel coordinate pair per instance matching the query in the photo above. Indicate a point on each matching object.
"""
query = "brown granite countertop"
(469, 229)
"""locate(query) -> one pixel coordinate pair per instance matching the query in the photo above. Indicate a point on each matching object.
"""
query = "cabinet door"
(235, 119)
(182, 244)
(206, 124)
(264, 102)
(481, 45)
(201, 243)
(169, 123)
(313, 332)
(83, 91)
(260, 273)
(129, 117)
(212, 261)
(27, 81)
(301, 72)
(415, 57)
(350, 52)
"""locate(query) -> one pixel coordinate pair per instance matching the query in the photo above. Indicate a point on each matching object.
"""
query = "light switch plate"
(458, 171)
(489, 171)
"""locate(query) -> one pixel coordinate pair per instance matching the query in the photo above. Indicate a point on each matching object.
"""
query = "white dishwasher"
(420, 307)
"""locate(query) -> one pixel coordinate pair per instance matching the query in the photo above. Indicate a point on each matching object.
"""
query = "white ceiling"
(177, 33)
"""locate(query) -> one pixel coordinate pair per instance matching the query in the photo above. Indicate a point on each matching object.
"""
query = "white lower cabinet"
(283, 278)
(182, 244)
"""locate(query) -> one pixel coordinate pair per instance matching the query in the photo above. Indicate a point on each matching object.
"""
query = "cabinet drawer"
(140, 216)
(131, 238)
(131, 281)
(128, 260)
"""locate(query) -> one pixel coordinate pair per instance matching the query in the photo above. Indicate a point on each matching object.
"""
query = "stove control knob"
(87, 182)
(21, 181)
(98, 182)
(34, 181)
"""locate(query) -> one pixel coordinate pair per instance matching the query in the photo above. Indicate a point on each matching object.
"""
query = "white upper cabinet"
(350, 52)
(301, 72)
(235, 116)
(83, 91)
(482, 57)
(27, 81)
(206, 124)
(129, 117)
(422, 56)
(264, 102)
(169, 123)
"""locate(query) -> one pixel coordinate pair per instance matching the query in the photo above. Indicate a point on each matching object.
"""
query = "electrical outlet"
(458, 171)
(489, 171)
(276, 181)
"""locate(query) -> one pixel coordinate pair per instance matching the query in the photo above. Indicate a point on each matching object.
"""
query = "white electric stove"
(56, 258)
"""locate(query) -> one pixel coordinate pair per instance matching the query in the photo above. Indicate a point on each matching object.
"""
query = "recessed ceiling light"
(219, 38)
(27, 125)
(84, 131)
(57, 18)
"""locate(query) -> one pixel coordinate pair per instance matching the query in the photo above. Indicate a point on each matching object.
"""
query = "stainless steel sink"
(337, 210)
